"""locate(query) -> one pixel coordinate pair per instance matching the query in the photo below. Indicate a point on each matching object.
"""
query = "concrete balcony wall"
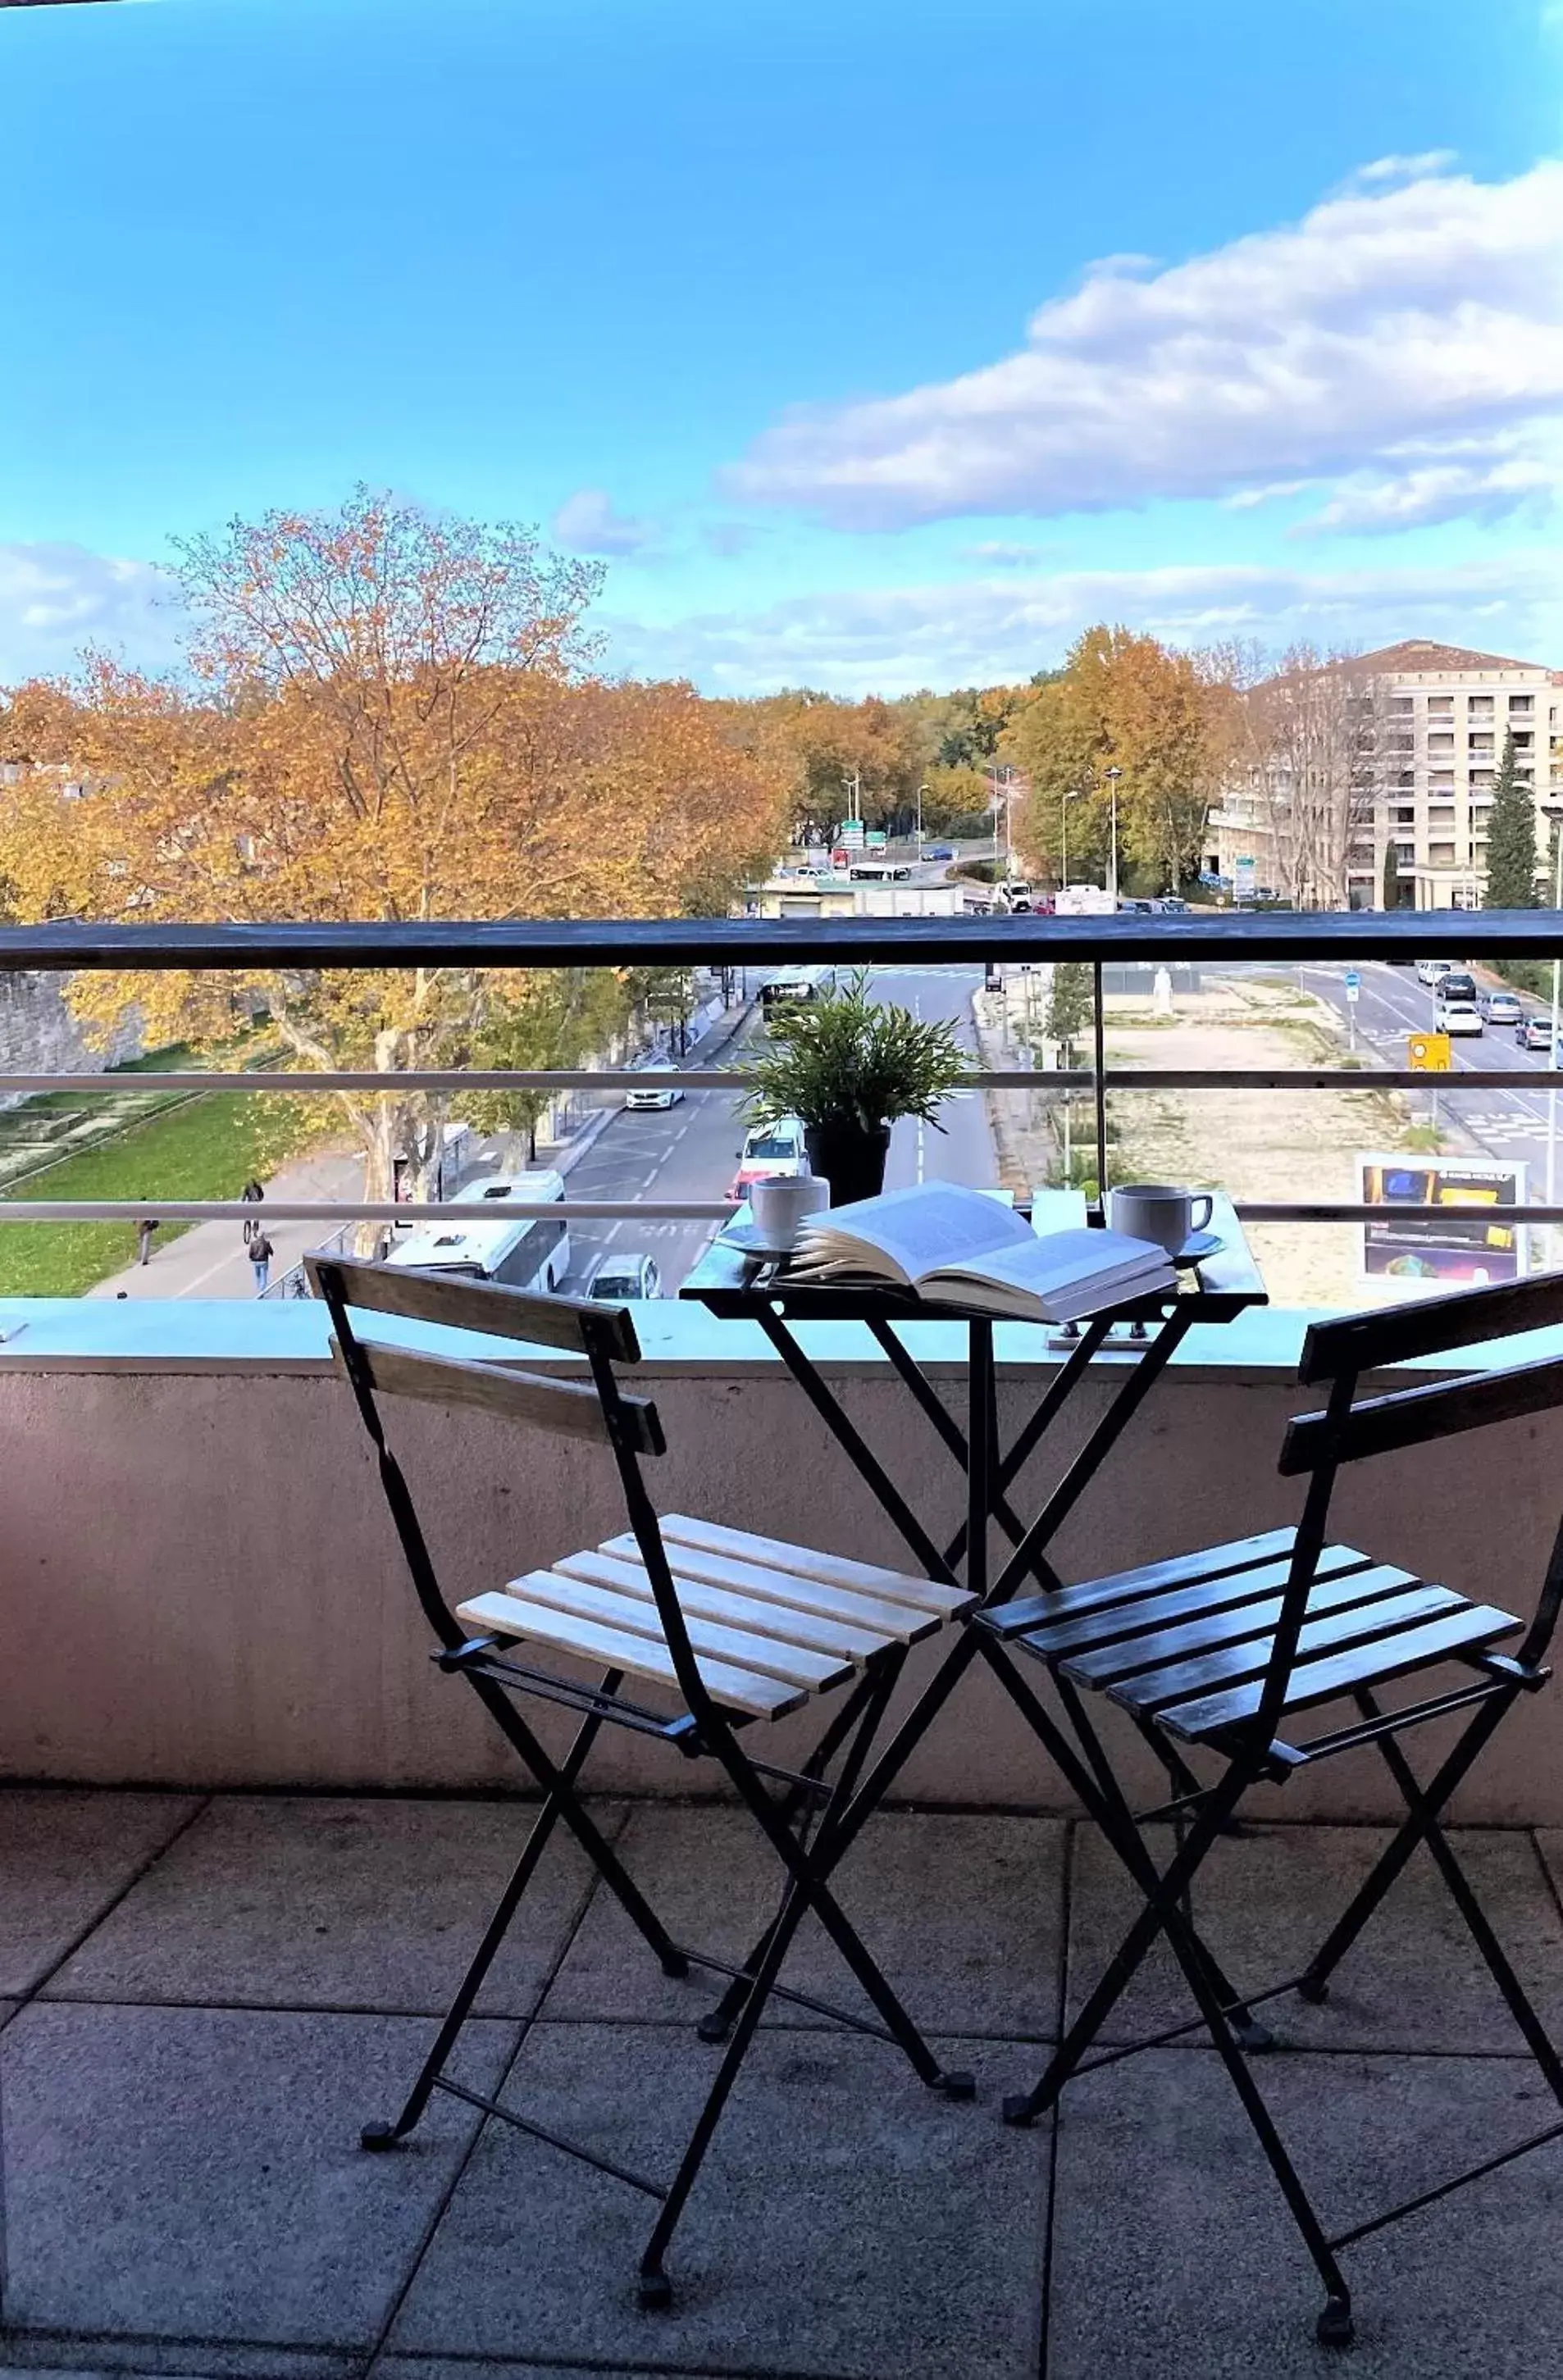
(200, 1585)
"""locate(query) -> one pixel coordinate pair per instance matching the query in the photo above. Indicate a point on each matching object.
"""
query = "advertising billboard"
(1446, 1219)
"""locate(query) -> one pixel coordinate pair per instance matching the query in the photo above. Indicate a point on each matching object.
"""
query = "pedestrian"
(260, 1256)
(252, 1193)
(146, 1228)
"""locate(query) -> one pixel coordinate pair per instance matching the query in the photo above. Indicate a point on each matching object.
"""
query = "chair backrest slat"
(570, 1406)
(1434, 1326)
(488, 1305)
(1412, 1416)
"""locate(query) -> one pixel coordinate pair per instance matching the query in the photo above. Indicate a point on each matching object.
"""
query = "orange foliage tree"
(1127, 702)
(384, 717)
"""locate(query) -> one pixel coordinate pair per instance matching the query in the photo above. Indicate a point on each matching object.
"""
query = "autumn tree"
(1127, 702)
(384, 717)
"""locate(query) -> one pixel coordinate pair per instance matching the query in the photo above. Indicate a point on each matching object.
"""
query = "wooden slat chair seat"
(771, 1624)
(1188, 1642)
(1214, 1653)
(731, 1626)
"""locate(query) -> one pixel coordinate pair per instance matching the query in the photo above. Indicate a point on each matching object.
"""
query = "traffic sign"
(1353, 979)
(1428, 1053)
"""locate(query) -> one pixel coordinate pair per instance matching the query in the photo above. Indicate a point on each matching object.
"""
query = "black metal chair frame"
(1318, 1445)
(802, 1822)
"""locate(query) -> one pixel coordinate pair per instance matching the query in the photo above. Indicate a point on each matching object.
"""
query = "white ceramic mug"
(1156, 1210)
(778, 1207)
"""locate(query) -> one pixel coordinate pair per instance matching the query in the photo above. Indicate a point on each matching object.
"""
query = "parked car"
(940, 851)
(1461, 1017)
(1173, 907)
(771, 1152)
(623, 1274)
(1455, 985)
(1500, 1008)
(660, 1088)
(1139, 908)
(1429, 970)
(1534, 1031)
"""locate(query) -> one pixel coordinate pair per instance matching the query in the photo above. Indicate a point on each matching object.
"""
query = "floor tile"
(63, 1858)
(325, 1903)
(1173, 2252)
(197, 2172)
(848, 2221)
(963, 1912)
(1414, 1979)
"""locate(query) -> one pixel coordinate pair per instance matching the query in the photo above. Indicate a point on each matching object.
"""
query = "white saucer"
(747, 1237)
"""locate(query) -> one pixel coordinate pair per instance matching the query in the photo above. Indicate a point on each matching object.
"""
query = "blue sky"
(798, 314)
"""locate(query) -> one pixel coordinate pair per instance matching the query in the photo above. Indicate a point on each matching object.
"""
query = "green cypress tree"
(1511, 839)
(1391, 877)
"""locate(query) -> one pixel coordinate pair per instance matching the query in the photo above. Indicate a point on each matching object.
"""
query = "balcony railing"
(1217, 939)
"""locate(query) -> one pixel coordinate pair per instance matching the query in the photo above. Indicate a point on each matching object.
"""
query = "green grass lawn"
(206, 1149)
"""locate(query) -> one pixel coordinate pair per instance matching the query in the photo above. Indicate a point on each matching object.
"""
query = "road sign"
(1353, 981)
(878, 838)
(1245, 879)
(1428, 1053)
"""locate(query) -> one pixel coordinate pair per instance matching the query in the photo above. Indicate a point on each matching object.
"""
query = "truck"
(1084, 900)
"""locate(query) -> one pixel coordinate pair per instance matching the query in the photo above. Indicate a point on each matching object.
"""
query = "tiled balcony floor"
(205, 1998)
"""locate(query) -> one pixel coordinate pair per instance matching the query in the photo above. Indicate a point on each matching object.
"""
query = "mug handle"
(1199, 1222)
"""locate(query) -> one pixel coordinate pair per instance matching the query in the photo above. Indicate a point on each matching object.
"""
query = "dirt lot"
(1251, 1144)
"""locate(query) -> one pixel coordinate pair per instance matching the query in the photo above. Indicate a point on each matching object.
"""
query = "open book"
(957, 1246)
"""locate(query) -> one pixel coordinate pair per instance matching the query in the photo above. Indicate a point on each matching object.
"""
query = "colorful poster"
(1446, 1219)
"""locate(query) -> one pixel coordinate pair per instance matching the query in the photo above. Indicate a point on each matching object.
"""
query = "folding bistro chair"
(740, 1629)
(1223, 1650)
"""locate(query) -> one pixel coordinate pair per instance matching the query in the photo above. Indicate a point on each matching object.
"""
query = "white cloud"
(587, 523)
(1000, 553)
(1424, 311)
(1384, 170)
(890, 640)
(56, 599)
(1419, 498)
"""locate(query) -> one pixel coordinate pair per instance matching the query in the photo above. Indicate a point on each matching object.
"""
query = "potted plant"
(846, 1066)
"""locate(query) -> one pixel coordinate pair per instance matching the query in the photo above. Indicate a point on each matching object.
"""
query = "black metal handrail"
(1222, 937)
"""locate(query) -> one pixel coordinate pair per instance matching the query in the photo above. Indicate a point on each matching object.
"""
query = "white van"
(522, 1251)
(1429, 970)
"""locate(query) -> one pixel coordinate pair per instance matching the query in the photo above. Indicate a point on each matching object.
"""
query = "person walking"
(260, 1256)
(146, 1228)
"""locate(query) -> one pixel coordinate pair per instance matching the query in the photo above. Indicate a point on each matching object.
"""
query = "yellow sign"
(1429, 1053)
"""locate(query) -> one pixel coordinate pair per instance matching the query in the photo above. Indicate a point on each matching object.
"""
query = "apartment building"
(1428, 732)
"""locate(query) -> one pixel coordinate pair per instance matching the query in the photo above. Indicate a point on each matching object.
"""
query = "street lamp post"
(1112, 776)
(1064, 801)
(921, 791)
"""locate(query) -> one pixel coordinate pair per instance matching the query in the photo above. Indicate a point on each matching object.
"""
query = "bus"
(522, 1251)
(787, 990)
(878, 871)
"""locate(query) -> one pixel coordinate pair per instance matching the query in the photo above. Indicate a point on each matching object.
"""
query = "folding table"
(734, 1285)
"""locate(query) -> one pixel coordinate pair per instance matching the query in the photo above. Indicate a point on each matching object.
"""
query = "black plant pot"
(849, 1156)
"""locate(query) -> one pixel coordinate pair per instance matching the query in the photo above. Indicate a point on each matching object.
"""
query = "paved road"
(1392, 1004)
(691, 1150)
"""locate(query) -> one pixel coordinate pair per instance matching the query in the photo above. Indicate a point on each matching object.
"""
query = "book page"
(927, 1225)
(1058, 1270)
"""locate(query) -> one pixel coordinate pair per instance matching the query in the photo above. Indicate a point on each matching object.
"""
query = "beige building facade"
(1439, 717)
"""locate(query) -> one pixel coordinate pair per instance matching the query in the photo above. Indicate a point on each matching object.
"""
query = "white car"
(1429, 970)
(660, 1090)
(1460, 1016)
(772, 1152)
(624, 1275)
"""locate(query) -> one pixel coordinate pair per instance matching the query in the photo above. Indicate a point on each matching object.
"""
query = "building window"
(1523, 739)
(1481, 777)
(1521, 702)
(1440, 706)
(1402, 816)
(1480, 706)
(1441, 781)
(1440, 854)
(1440, 743)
